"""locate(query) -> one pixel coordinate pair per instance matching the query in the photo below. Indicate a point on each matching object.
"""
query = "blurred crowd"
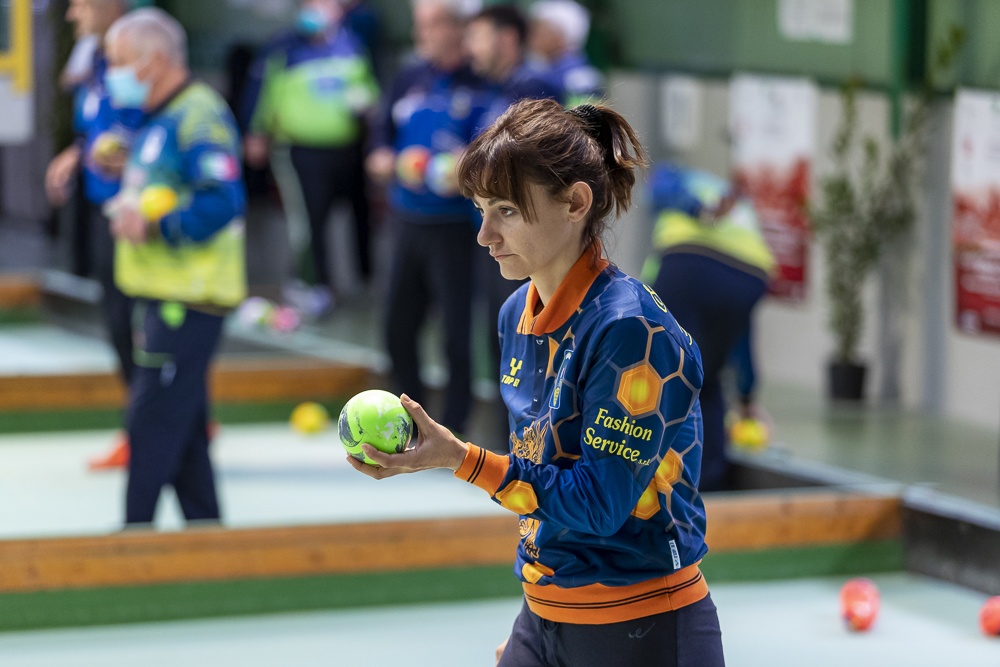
(159, 178)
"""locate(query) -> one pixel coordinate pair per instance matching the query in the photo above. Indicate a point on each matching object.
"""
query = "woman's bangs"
(489, 171)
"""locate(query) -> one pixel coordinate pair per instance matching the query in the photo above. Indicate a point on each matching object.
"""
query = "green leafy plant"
(867, 207)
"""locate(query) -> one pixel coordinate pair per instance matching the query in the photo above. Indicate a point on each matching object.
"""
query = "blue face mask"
(312, 22)
(125, 89)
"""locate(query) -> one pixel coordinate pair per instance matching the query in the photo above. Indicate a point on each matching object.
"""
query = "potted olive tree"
(867, 203)
(863, 209)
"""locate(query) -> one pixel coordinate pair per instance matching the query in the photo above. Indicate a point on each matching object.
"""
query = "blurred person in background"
(497, 42)
(364, 21)
(179, 250)
(311, 90)
(711, 266)
(433, 110)
(88, 170)
(559, 30)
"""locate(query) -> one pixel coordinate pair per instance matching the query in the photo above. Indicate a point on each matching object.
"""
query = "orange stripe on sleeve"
(483, 468)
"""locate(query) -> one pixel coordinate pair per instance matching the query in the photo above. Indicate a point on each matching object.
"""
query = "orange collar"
(567, 299)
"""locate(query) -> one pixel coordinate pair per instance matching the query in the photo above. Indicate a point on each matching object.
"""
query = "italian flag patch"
(219, 167)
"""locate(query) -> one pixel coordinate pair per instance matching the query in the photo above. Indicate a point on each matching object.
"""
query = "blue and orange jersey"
(93, 115)
(428, 119)
(602, 386)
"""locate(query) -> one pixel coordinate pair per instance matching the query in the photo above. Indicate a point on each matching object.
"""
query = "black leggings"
(326, 176)
(687, 637)
(713, 302)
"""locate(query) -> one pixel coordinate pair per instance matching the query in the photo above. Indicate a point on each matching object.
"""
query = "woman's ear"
(581, 199)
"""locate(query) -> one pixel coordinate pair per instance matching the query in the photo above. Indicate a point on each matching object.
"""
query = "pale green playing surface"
(923, 623)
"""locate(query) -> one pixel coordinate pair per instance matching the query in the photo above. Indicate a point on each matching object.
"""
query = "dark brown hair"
(504, 17)
(540, 142)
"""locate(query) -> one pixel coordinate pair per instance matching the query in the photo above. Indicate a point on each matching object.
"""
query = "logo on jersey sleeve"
(619, 436)
(656, 298)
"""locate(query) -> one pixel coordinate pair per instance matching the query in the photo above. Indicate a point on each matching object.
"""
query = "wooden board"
(218, 554)
(748, 521)
(232, 381)
(18, 292)
(765, 521)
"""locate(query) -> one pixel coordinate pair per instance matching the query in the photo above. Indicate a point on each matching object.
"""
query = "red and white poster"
(773, 125)
(975, 218)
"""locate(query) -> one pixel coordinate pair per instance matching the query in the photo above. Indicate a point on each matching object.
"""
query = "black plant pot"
(847, 381)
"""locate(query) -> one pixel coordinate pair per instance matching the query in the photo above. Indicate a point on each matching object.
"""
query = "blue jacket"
(581, 81)
(530, 81)
(93, 115)
(310, 92)
(190, 144)
(428, 119)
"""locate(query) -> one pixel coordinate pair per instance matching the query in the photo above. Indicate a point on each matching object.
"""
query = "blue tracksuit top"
(529, 81)
(581, 81)
(191, 144)
(428, 119)
(92, 116)
(602, 386)
(296, 49)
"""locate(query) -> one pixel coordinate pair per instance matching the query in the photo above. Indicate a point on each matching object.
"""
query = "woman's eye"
(506, 211)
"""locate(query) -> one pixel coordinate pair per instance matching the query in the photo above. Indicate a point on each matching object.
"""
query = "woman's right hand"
(436, 447)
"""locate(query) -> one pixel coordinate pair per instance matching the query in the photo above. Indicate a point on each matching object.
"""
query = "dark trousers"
(326, 176)
(116, 308)
(713, 302)
(169, 411)
(432, 266)
(81, 232)
(687, 637)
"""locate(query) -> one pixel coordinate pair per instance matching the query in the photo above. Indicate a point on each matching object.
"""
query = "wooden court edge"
(233, 380)
(115, 605)
(19, 291)
(737, 522)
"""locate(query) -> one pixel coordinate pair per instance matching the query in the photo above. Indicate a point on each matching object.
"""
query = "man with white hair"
(94, 175)
(178, 228)
(559, 30)
(434, 109)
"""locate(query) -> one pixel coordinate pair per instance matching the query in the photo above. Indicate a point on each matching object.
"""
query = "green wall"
(894, 40)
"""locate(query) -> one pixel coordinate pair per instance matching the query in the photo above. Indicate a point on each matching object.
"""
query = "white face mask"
(125, 89)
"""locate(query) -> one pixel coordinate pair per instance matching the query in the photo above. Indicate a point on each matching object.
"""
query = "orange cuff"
(483, 468)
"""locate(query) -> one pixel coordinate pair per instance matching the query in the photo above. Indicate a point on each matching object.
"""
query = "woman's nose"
(487, 235)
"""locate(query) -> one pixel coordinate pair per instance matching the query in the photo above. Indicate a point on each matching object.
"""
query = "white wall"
(941, 370)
